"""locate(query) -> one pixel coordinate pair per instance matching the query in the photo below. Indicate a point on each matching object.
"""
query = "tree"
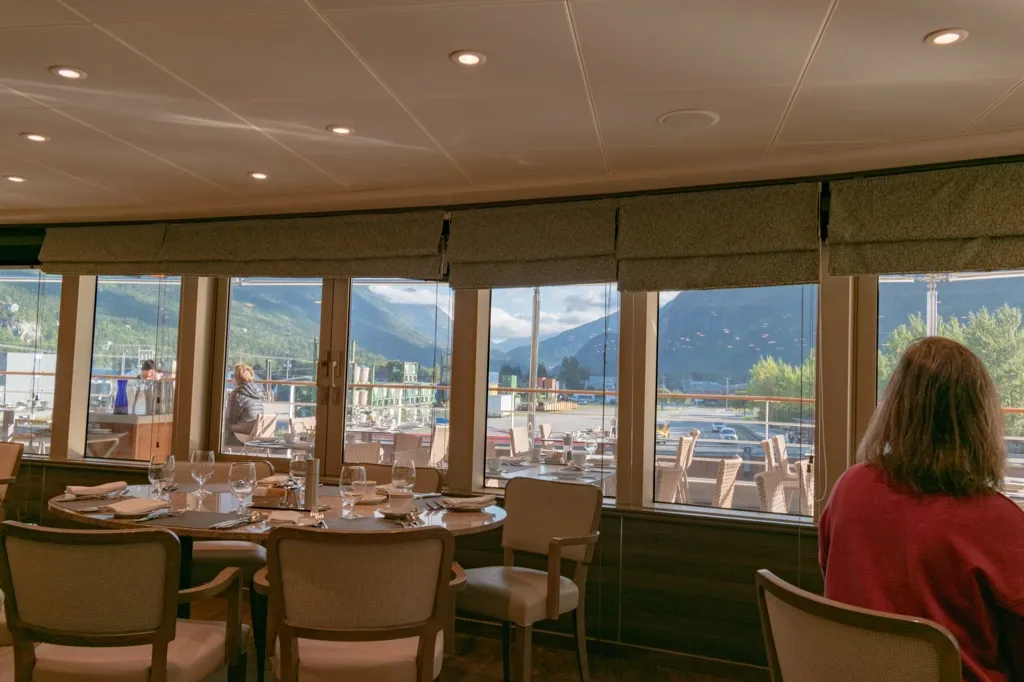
(995, 337)
(571, 374)
(542, 370)
(772, 377)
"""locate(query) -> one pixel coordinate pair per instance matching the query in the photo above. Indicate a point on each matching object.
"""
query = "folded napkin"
(276, 479)
(263, 491)
(468, 502)
(288, 518)
(105, 489)
(139, 505)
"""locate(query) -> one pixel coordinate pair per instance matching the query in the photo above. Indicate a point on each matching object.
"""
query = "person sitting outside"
(245, 402)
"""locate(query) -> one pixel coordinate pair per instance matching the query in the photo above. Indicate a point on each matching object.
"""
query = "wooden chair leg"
(524, 643)
(238, 672)
(506, 653)
(579, 623)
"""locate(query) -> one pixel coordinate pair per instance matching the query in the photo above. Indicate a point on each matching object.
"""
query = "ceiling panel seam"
(72, 176)
(818, 38)
(387, 88)
(586, 84)
(990, 108)
(208, 97)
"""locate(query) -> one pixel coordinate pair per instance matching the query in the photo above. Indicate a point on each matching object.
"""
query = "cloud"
(504, 325)
(422, 294)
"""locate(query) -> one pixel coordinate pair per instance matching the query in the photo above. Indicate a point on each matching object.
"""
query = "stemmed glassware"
(161, 474)
(353, 487)
(202, 463)
(242, 481)
(403, 475)
(297, 475)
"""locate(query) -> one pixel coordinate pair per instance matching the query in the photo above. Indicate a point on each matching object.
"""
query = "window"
(981, 310)
(552, 392)
(29, 310)
(134, 364)
(736, 370)
(273, 343)
(399, 371)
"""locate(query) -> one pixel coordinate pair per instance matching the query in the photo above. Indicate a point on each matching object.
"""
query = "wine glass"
(156, 475)
(403, 475)
(202, 468)
(297, 473)
(242, 480)
(352, 486)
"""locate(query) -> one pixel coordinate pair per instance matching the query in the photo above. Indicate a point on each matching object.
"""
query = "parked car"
(582, 398)
(717, 427)
(726, 433)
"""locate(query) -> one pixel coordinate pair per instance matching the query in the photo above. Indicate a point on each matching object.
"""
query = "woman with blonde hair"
(245, 403)
(918, 527)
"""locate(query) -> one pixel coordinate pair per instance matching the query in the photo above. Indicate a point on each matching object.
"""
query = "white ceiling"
(185, 97)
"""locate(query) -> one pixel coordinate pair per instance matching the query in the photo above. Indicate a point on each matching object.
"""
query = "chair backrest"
(812, 638)
(89, 587)
(438, 444)
(10, 462)
(781, 456)
(368, 581)
(363, 453)
(519, 438)
(183, 470)
(771, 460)
(545, 430)
(684, 451)
(805, 474)
(538, 511)
(419, 456)
(266, 426)
(427, 480)
(770, 491)
(300, 426)
(408, 441)
(725, 481)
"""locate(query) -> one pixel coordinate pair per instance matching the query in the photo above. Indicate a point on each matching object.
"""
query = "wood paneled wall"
(661, 583)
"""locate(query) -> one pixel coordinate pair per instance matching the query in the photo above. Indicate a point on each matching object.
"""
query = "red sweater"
(956, 561)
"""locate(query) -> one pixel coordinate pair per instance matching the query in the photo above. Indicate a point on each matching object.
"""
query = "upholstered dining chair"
(419, 456)
(385, 622)
(519, 441)
(210, 557)
(770, 491)
(810, 638)
(557, 520)
(99, 605)
(408, 441)
(10, 462)
(427, 480)
(438, 444)
(363, 453)
(672, 484)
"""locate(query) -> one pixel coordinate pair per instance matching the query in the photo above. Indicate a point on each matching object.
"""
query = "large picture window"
(134, 367)
(273, 343)
(552, 385)
(735, 411)
(29, 318)
(399, 372)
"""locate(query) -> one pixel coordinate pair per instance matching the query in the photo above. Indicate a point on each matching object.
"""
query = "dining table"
(191, 516)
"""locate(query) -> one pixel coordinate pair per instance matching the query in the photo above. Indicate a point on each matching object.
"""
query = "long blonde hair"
(242, 374)
(939, 427)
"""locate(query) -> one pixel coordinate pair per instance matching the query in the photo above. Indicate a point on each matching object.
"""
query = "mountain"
(553, 349)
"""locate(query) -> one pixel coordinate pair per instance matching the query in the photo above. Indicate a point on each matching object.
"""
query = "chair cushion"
(514, 594)
(210, 557)
(383, 661)
(196, 652)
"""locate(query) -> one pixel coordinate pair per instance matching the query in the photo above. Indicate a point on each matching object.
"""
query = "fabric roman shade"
(20, 245)
(952, 220)
(516, 246)
(368, 245)
(747, 237)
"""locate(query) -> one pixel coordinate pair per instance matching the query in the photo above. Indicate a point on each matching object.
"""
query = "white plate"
(372, 499)
(389, 513)
(465, 508)
(567, 474)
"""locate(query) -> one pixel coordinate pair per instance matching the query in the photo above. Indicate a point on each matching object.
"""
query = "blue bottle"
(121, 399)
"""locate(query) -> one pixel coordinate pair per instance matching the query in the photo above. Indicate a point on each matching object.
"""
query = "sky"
(561, 307)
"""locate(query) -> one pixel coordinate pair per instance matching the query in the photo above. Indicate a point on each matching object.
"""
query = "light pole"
(727, 393)
(534, 343)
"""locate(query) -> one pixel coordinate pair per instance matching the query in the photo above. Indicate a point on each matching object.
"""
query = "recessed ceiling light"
(258, 176)
(35, 137)
(340, 130)
(14, 178)
(68, 72)
(689, 119)
(467, 58)
(946, 36)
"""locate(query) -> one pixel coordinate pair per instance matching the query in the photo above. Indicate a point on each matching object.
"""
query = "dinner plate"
(567, 474)
(371, 499)
(389, 513)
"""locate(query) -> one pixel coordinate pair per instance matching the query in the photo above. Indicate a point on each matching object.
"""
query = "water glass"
(242, 481)
(352, 486)
(161, 474)
(297, 471)
(202, 462)
(403, 475)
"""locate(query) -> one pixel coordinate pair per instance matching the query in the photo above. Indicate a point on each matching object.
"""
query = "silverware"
(160, 513)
